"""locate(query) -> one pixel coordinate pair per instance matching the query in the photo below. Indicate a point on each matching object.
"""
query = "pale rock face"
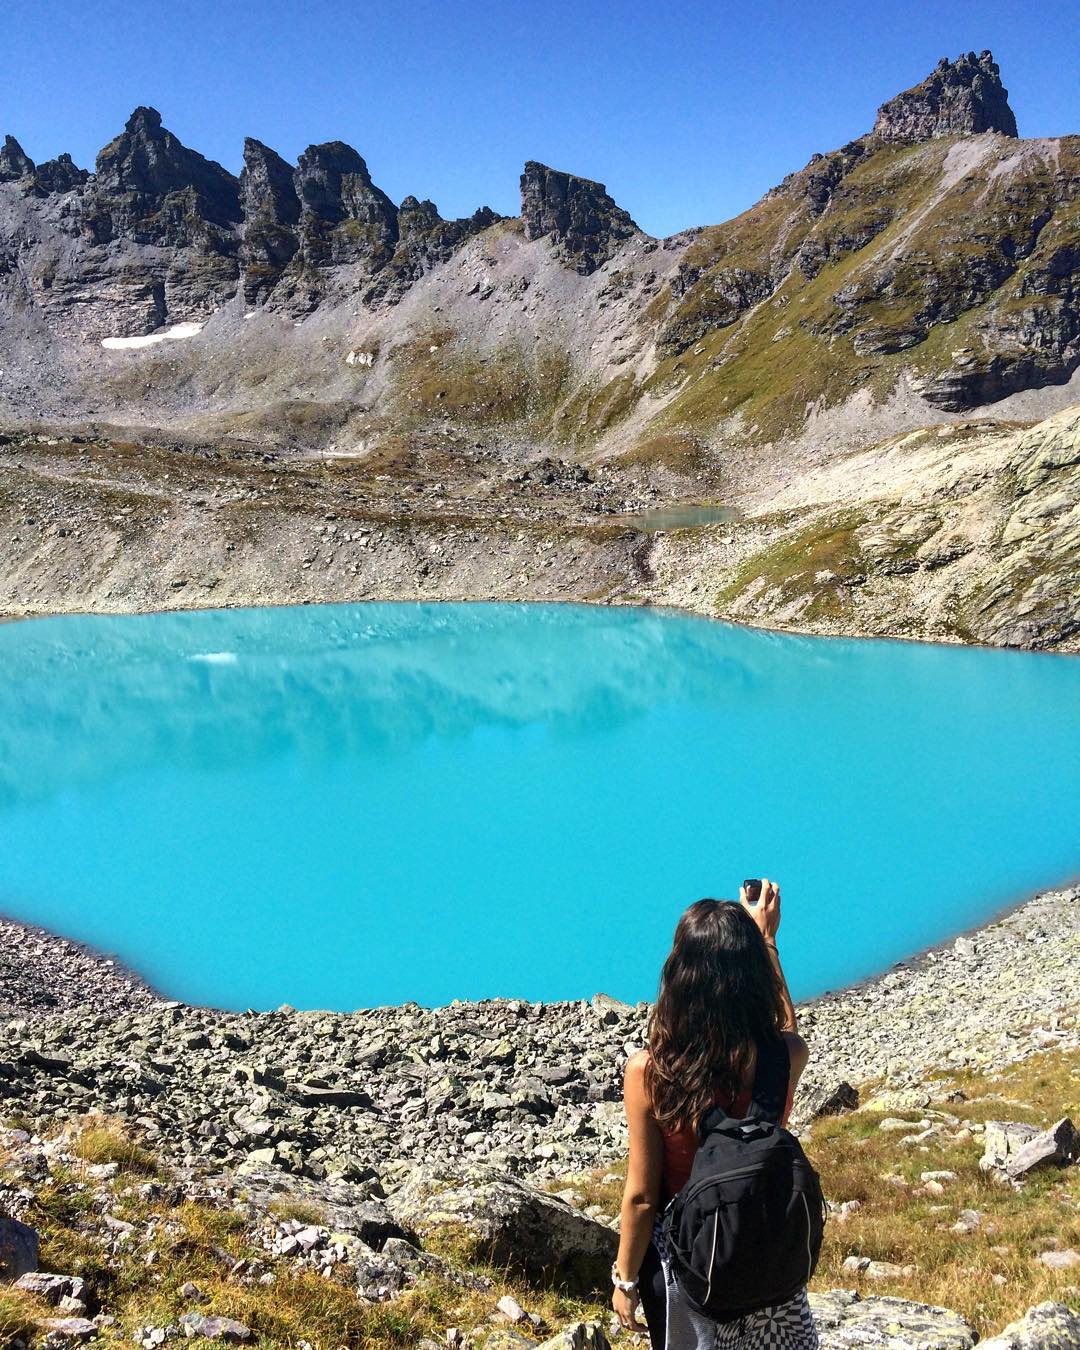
(959, 98)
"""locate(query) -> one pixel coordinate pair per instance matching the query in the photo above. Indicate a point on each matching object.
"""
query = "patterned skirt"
(676, 1326)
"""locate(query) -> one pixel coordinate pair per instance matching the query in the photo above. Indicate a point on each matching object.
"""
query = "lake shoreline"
(673, 606)
(111, 982)
(532, 1088)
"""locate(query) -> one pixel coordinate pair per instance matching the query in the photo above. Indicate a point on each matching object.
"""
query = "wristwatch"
(626, 1286)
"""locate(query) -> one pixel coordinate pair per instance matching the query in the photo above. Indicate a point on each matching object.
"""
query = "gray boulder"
(846, 1322)
(1056, 1147)
(510, 1223)
(830, 1099)
(61, 1331)
(1002, 1140)
(1050, 1326)
(225, 1329)
(56, 1290)
(18, 1249)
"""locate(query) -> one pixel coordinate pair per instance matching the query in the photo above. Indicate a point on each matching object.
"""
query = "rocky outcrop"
(424, 239)
(344, 217)
(59, 175)
(1032, 340)
(958, 98)
(728, 294)
(151, 188)
(847, 1322)
(576, 214)
(15, 163)
(271, 210)
(345, 228)
(511, 1224)
(149, 240)
(1015, 1150)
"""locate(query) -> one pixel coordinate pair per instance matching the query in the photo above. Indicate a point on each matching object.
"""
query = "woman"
(723, 1005)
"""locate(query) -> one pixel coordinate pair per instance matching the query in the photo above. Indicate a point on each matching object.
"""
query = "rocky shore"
(965, 534)
(42, 973)
(532, 1088)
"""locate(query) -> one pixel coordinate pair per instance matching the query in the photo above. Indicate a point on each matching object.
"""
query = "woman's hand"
(626, 1306)
(766, 913)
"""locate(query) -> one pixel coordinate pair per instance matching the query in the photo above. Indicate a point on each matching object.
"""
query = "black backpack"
(745, 1231)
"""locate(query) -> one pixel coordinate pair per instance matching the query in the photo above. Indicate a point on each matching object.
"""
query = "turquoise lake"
(347, 805)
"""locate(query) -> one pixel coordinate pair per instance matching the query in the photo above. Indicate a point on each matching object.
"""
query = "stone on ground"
(216, 1328)
(579, 1336)
(515, 1225)
(1049, 1326)
(847, 1322)
(1056, 1147)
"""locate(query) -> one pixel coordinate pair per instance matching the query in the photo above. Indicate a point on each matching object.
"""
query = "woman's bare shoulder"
(635, 1065)
(634, 1075)
(798, 1050)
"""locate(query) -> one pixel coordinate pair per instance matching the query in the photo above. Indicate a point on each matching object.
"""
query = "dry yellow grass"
(201, 1244)
(991, 1275)
(20, 1316)
(102, 1141)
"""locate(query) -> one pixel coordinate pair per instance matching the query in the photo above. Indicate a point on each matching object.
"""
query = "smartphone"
(753, 889)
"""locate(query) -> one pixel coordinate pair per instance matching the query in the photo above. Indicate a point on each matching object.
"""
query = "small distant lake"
(684, 517)
(346, 805)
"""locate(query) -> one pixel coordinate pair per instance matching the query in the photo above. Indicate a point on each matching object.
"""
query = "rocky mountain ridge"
(872, 368)
(931, 263)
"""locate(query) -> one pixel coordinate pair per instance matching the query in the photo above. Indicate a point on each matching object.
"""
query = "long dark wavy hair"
(719, 997)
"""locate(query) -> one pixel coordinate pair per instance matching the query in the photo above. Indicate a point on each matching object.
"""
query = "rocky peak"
(59, 175)
(149, 162)
(577, 214)
(333, 183)
(15, 163)
(958, 98)
(267, 190)
(414, 214)
(271, 211)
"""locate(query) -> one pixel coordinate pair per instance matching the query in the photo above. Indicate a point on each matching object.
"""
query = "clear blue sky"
(687, 111)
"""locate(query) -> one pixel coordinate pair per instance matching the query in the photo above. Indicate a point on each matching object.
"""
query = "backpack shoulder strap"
(771, 1078)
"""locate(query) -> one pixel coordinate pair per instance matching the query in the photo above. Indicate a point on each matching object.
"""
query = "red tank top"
(680, 1146)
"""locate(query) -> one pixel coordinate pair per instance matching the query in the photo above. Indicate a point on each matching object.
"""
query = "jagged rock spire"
(14, 161)
(333, 183)
(574, 212)
(149, 161)
(267, 190)
(958, 98)
(271, 210)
